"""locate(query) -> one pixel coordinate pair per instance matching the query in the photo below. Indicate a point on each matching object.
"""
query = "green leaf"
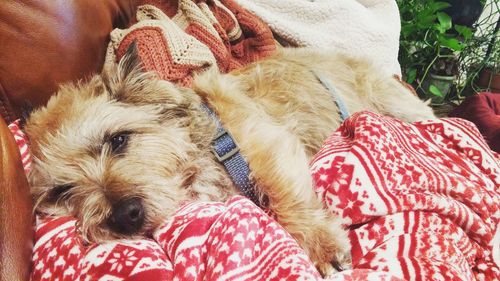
(438, 6)
(444, 20)
(451, 43)
(412, 74)
(435, 91)
(465, 31)
(440, 28)
(407, 30)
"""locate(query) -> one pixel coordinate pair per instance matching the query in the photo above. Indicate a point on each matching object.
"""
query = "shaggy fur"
(276, 110)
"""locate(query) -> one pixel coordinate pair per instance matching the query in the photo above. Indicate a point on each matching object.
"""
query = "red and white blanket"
(421, 202)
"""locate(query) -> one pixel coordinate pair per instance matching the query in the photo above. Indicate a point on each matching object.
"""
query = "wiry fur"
(276, 109)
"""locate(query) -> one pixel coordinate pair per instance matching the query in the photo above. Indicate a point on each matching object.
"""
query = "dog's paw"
(342, 261)
(331, 251)
(326, 269)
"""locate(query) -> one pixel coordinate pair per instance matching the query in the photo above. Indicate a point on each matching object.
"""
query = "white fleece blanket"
(368, 28)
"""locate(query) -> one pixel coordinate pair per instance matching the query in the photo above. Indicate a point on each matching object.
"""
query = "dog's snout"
(127, 216)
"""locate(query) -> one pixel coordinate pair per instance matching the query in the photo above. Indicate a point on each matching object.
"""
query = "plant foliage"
(431, 42)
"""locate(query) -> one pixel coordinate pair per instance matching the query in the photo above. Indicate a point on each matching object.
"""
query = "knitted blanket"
(367, 28)
(421, 202)
(176, 39)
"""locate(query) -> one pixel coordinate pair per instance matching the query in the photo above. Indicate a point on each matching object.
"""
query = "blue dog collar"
(227, 152)
(344, 113)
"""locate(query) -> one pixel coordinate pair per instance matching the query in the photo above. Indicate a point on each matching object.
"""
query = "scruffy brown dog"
(124, 150)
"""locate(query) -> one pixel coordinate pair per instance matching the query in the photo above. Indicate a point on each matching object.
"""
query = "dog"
(122, 151)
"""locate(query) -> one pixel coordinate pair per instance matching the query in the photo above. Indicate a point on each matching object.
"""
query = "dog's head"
(116, 152)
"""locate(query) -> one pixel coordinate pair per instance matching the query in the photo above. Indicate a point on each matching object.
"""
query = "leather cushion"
(46, 42)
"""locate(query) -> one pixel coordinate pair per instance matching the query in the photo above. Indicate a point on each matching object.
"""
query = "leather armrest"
(16, 215)
(47, 42)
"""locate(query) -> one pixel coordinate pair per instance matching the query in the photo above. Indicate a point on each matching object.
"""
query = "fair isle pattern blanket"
(421, 202)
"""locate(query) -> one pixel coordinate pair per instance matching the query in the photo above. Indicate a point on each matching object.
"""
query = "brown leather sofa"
(42, 43)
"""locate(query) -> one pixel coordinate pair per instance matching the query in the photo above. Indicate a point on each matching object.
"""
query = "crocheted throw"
(178, 38)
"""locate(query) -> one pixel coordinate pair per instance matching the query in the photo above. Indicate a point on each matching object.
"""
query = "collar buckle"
(222, 156)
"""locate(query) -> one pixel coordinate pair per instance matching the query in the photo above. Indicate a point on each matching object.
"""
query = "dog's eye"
(60, 190)
(119, 141)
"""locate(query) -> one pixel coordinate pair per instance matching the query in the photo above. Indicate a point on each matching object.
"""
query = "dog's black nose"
(127, 216)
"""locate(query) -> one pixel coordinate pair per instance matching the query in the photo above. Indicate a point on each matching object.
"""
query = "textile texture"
(421, 202)
(366, 28)
(176, 39)
(22, 142)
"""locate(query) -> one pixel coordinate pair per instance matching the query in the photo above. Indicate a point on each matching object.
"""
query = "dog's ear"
(130, 64)
(129, 83)
(127, 78)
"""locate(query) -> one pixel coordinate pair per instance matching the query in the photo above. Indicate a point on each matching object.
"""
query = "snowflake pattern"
(421, 201)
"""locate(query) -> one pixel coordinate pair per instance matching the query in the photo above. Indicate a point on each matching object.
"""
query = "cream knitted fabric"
(183, 48)
(368, 28)
(177, 39)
